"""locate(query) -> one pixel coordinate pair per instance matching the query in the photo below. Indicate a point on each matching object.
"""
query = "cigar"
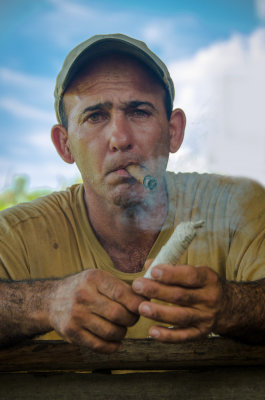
(141, 176)
(178, 242)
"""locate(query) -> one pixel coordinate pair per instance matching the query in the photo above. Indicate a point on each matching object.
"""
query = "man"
(74, 261)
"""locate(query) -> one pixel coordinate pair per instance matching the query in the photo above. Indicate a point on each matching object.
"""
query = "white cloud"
(41, 140)
(165, 34)
(222, 90)
(29, 81)
(170, 34)
(21, 110)
(81, 21)
(260, 9)
(27, 86)
(27, 97)
(187, 161)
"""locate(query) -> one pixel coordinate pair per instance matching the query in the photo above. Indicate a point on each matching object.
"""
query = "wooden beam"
(137, 354)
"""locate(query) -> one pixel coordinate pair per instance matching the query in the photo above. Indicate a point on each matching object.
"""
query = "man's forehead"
(112, 67)
(108, 105)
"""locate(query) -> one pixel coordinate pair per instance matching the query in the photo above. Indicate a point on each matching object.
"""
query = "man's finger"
(113, 311)
(180, 317)
(117, 290)
(104, 329)
(170, 294)
(84, 337)
(168, 335)
(182, 275)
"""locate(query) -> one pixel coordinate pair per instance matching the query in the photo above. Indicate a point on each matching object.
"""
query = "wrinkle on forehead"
(116, 68)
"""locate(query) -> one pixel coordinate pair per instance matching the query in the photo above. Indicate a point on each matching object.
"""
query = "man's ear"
(177, 125)
(60, 140)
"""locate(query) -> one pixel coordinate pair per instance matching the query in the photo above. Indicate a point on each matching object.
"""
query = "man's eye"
(96, 117)
(139, 113)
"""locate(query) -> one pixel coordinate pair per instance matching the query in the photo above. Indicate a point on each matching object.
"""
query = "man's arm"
(91, 308)
(202, 303)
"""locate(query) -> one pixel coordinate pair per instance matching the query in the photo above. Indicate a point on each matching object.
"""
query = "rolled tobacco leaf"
(140, 175)
(178, 242)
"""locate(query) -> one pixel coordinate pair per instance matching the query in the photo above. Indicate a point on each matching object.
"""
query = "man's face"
(116, 117)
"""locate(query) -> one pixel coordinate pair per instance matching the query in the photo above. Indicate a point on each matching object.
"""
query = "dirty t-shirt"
(52, 236)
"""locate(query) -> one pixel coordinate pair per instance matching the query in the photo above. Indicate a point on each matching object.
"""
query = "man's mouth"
(121, 172)
(121, 169)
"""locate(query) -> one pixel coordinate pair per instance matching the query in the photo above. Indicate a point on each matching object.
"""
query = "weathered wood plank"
(136, 354)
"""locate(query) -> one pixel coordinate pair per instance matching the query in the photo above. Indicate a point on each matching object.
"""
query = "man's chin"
(126, 203)
(127, 197)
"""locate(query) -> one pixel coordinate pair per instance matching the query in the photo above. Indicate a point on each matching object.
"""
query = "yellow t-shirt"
(52, 237)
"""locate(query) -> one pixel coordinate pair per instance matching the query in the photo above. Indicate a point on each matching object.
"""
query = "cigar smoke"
(141, 175)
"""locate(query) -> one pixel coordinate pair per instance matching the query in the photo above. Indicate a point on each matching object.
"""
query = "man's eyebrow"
(99, 106)
(138, 103)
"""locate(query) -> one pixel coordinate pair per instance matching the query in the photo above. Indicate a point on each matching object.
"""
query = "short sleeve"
(246, 257)
(13, 254)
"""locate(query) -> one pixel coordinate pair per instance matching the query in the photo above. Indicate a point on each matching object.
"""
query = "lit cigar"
(140, 175)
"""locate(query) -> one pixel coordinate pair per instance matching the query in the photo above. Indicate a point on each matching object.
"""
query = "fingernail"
(154, 333)
(138, 286)
(145, 309)
(156, 273)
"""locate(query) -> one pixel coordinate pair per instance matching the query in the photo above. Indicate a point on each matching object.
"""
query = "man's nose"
(121, 138)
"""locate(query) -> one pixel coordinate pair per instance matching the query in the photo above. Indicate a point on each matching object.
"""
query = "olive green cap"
(100, 44)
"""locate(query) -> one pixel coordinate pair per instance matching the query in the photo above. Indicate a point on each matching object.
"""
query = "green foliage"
(18, 192)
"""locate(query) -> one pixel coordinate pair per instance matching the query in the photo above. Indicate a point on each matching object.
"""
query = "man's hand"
(94, 309)
(195, 295)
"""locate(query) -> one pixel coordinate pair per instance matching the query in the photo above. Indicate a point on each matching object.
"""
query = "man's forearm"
(199, 303)
(91, 308)
(24, 309)
(242, 315)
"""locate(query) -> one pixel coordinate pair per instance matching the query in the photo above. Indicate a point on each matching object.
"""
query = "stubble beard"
(129, 199)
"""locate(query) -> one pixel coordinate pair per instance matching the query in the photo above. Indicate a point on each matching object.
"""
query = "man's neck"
(128, 233)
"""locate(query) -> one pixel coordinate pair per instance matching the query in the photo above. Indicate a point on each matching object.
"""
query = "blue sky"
(190, 36)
